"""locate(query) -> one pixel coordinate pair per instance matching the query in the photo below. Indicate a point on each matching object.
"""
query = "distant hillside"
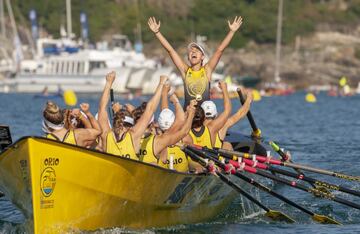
(182, 19)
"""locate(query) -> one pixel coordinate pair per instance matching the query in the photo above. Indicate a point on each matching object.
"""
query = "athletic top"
(123, 148)
(146, 153)
(196, 84)
(201, 137)
(180, 161)
(68, 138)
(218, 141)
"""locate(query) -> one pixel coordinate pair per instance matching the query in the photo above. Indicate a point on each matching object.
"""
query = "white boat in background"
(84, 70)
(67, 63)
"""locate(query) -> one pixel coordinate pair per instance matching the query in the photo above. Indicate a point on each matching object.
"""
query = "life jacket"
(68, 138)
(180, 160)
(123, 148)
(146, 153)
(196, 83)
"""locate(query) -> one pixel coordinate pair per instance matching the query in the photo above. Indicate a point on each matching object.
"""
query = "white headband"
(46, 125)
(129, 120)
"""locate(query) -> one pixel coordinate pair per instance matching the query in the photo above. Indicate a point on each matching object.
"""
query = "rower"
(205, 134)
(123, 139)
(53, 126)
(153, 142)
(210, 110)
(172, 157)
(196, 76)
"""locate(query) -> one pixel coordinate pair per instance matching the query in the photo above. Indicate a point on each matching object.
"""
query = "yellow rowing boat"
(62, 187)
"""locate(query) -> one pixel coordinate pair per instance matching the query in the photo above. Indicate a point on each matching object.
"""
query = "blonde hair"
(118, 121)
(53, 113)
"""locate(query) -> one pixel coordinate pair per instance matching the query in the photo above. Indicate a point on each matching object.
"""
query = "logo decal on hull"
(47, 181)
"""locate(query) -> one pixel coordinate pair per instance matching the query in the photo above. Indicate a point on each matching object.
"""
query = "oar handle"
(112, 99)
(112, 102)
(256, 130)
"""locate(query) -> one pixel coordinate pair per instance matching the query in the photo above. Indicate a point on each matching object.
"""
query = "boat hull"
(61, 187)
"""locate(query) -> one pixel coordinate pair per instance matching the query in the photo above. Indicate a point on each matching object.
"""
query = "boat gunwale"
(13, 145)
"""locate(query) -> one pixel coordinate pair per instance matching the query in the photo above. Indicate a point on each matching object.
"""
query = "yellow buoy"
(342, 81)
(70, 98)
(256, 95)
(310, 98)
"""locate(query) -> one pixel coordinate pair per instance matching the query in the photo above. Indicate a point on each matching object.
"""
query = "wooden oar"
(322, 185)
(316, 217)
(262, 158)
(294, 184)
(318, 183)
(315, 182)
(256, 131)
(273, 214)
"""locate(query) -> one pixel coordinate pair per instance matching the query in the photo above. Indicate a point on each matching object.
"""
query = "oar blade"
(324, 219)
(279, 216)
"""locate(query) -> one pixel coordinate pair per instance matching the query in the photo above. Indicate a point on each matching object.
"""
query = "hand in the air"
(235, 25)
(153, 25)
(85, 107)
(163, 79)
(110, 77)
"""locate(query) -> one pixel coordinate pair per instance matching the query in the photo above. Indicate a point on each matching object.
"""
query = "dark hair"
(53, 113)
(199, 117)
(118, 121)
(139, 111)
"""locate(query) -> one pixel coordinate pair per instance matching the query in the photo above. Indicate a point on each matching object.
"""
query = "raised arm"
(164, 97)
(179, 63)
(141, 125)
(76, 112)
(215, 125)
(85, 107)
(179, 114)
(234, 26)
(237, 116)
(173, 137)
(102, 112)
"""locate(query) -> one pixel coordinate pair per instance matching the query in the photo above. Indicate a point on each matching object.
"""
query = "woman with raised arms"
(196, 75)
(123, 139)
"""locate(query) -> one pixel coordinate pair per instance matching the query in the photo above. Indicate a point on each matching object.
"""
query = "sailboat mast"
(68, 18)
(138, 25)
(2, 18)
(278, 41)
(12, 19)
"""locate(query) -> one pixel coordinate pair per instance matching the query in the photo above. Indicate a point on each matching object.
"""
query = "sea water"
(325, 134)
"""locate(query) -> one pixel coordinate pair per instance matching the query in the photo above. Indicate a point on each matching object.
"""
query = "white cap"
(194, 44)
(209, 108)
(166, 119)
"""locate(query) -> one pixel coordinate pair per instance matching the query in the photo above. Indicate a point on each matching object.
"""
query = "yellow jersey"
(146, 153)
(123, 148)
(201, 137)
(68, 138)
(218, 141)
(180, 161)
(196, 85)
